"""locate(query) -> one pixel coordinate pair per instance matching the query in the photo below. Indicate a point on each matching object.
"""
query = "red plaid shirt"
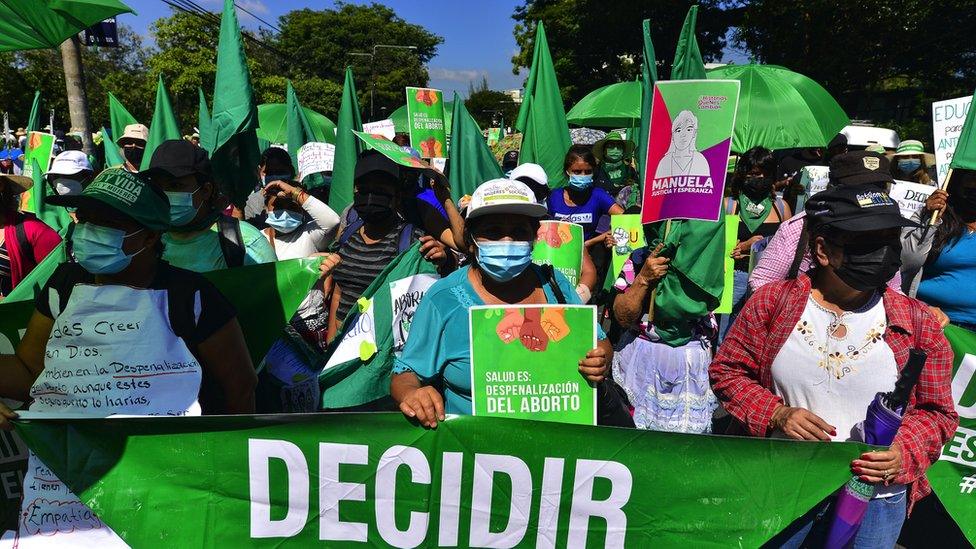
(741, 373)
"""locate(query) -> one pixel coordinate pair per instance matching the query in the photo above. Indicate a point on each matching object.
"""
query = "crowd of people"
(822, 320)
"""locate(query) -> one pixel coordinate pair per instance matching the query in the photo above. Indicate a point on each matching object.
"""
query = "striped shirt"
(362, 263)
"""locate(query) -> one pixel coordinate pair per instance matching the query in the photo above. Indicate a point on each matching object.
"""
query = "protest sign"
(405, 295)
(438, 164)
(814, 179)
(910, 196)
(391, 150)
(731, 239)
(425, 119)
(494, 135)
(953, 477)
(377, 480)
(688, 149)
(560, 244)
(947, 120)
(380, 127)
(628, 235)
(315, 157)
(524, 362)
(40, 148)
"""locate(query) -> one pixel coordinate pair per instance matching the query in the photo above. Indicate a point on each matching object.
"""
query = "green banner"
(953, 477)
(40, 148)
(425, 117)
(391, 150)
(560, 244)
(494, 134)
(628, 235)
(375, 480)
(524, 362)
(731, 239)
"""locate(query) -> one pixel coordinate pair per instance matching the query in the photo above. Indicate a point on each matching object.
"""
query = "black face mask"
(373, 207)
(869, 267)
(963, 202)
(133, 155)
(757, 188)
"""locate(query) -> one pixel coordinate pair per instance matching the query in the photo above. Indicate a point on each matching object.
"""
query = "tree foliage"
(489, 107)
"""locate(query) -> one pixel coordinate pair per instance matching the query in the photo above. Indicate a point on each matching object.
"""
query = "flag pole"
(650, 308)
(935, 215)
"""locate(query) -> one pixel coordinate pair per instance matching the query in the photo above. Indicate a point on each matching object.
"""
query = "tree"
(595, 43)
(489, 107)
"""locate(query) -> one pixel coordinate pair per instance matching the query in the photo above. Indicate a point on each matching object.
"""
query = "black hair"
(579, 152)
(756, 157)
(278, 154)
(952, 226)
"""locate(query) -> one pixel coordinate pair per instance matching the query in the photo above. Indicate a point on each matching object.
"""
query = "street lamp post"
(372, 72)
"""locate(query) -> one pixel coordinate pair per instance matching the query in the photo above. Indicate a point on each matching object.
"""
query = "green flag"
(118, 116)
(299, 133)
(203, 119)
(688, 64)
(233, 143)
(164, 125)
(694, 283)
(964, 156)
(377, 480)
(31, 285)
(470, 160)
(359, 361)
(34, 122)
(648, 78)
(113, 158)
(542, 117)
(346, 146)
(55, 217)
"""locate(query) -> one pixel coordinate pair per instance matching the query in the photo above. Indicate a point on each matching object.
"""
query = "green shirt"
(201, 253)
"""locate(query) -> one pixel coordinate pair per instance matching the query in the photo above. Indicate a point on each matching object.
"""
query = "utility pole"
(372, 72)
(74, 79)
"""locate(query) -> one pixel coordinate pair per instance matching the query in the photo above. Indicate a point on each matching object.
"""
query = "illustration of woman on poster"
(683, 157)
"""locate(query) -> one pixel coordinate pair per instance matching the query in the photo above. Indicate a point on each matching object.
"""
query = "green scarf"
(753, 214)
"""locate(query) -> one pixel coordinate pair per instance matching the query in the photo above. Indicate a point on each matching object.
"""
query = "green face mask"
(614, 154)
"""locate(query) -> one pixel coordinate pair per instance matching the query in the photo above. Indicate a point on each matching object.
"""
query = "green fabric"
(299, 133)
(542, 118)
(910, 146)
(688, 64)
(613, 106)
(118, 116)
(363, 380)
(273, 124)
(751, 218)
(232, 141)
(31, 285)
(43, 24)
(113, 157)
(164, 125)
(470, 161)
(148, 479)
(347, 146)
(55, 217)
(965, 153)
(780, 109)
(203, 119)
(201, 253)
(648, 78)
(127, 192)
(34, 122)
(401, 125)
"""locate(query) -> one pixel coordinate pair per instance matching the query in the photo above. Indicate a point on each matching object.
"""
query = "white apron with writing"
(111, 352)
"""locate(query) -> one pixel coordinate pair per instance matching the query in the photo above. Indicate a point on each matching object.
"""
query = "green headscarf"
(754, 214)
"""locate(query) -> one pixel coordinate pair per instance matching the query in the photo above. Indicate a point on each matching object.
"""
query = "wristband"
(583, 291)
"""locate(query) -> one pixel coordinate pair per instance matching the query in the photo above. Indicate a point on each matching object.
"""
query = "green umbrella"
(780, 109)
(400, 124)
(273, 124)
(43, 24)
(614, 106)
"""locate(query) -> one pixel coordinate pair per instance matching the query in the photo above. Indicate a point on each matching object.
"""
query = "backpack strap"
(550, 275)
(353, 224)
(801, 248)
(231, 240)
(780, 206)
(24, 244)
(406, 238)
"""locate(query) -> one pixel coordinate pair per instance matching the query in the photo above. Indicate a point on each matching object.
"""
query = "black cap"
(860, 167)
(855, 208)
(373, 163)
(839, 140)
(179, 158)
(510, 159)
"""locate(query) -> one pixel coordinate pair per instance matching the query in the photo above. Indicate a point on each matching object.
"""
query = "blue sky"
(477, 34)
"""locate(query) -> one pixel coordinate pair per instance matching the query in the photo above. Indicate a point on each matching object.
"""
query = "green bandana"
(614, 154)
(754, 214)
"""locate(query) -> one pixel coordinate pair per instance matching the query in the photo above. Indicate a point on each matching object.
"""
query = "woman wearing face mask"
(24, 240)
(501, 225)
(910, 163)
(69, 173)
(808, 355)
(299, 225)
(940, 261)
(579, 201)
(615, 172)
(760, 213)
(155, 340)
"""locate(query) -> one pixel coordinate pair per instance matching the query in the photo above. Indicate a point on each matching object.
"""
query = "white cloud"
(456, 75)
(256, 7)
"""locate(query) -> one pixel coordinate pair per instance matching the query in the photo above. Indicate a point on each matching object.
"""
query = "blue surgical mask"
(504, 260)
(181, 210)
(99, 249)
(581, 182)
(909, 165)
(277, 177)
(284, 221)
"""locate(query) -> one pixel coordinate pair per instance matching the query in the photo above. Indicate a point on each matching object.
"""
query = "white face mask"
(64, 186)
